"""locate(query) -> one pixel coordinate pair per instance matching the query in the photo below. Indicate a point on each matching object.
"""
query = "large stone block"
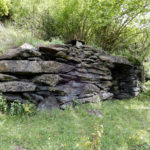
(25, 66)
(17, 86)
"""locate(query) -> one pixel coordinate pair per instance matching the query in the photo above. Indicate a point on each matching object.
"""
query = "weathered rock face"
(56, 76)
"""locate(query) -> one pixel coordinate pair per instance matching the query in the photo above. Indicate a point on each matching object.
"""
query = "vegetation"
(124, 126)
(16, 107)
(4, 7)
(12, 37)
(118, 26)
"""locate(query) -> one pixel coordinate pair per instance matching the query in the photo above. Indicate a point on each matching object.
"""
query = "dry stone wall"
(61, 75)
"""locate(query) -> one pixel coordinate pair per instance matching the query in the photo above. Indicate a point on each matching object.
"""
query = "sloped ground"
(121, 125)
(12, 37)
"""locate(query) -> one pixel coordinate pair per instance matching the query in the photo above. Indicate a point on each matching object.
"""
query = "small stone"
(93, 99)
(67, 57)
(34, 59)
(52, 49)
(89, 88)
(104, 95)
(49, 103)
(66, 105)
(42, 88)
(49, 79)
(43, 93)
(89, 76)
(95, 71)
(95, 112)
(33, 98)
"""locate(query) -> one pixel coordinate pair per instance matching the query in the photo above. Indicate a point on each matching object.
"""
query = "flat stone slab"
(52, 49)
(25, 66)
(115, 59)
(5, 77)
(24, 51)
(93, 99)
(16, 86)
(50, 79)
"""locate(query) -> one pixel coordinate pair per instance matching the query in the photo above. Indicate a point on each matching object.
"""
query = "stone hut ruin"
(60, 75)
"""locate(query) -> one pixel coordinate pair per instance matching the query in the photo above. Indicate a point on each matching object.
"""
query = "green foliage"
(3, 104)
(29, 108)
(4, 7)
(108, 23)
(12, 37)
(120, 27)
(16, 107)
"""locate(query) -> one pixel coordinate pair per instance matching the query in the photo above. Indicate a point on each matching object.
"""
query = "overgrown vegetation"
(12, 37)
(4, 7)
(16, 107)
(125, 125)
(118, 26)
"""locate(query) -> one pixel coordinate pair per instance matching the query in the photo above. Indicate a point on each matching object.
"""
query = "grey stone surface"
(49, 79)
(52, 49)
(92, 99)
(49, 103)
(59, 76)
(34, 98)
(5, 77)
(25, 66)
(17, 86)
(24, 51)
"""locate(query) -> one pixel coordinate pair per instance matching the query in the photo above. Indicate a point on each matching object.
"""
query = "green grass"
(126, 126)
(13, 37)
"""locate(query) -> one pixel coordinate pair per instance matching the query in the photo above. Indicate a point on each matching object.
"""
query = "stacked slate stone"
(61, 75)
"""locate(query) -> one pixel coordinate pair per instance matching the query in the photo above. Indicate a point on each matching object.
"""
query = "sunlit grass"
(13, 37)
(125, 124)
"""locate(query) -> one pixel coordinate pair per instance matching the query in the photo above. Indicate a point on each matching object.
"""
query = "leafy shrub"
(3, 104)
(4, 7)
(139, 141)
(29, 108)
(120, 27)
(16, 107)
(108, 23)
(93, 142)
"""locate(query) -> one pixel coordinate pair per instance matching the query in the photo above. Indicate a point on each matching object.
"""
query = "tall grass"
(12, 37)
